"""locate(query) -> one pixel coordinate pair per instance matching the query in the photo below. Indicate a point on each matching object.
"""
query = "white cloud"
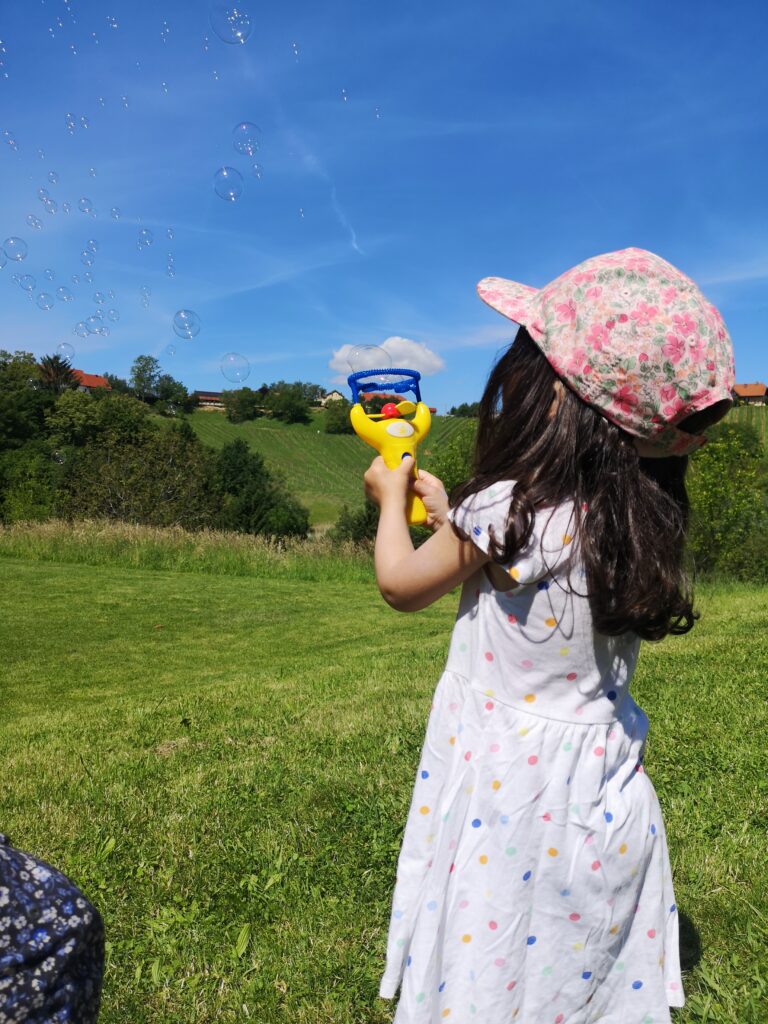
(402, 352)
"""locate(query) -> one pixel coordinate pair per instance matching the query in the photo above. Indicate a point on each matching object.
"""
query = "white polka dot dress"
(533, 883)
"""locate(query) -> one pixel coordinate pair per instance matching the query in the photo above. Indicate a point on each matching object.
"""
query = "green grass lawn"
(324, 471)
(224, 764)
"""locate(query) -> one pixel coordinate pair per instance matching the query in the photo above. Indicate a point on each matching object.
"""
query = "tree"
(57, 374)
(23, 399)
(337, 419)
(254, 500)
(286, 402)
(452, 460)
(465, 409)
(118, 385)
(171, 394)
(242, 404)
(359, 525)
(79, 419)
(728, 501)
(145, 376)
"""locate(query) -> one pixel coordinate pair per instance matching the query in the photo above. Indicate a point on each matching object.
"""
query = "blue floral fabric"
(51, 945)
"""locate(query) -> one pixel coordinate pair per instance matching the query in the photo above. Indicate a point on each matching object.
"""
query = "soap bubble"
(50, 274)
(92, 171)
(370, 357)
(170, 350)
(257, 171)
(377, 113)
(15, 248)
(53, 177)
(34, 222)
(64, 294)
(65, 350)
(58, 457)
(87, 257)
(186, 323)
(165, 31)
(295, 48)
(43, 194)
(75, 279)
(124, 100)
(235, 367)
(111, 294)
(70, 123)
(92, 244)
(45, 301)
(50, 206)
(245, 138)
(344, 95)
(66, 207)
(301, 212)
(99, 298)
(164, 87)
(99, 315)
(103, 331)
(3, 258)
(84, 123)
(10, 138)
(171, 270)
(85, 205)
(228, 184)
(169, 233)
(113, 315)
(27, 282)
(81, 329)
(231, 22)
(115, 213)
(215, 76)
(88, 276)
(111, 21)
(101, 101)
(145, 238)
(93, 323)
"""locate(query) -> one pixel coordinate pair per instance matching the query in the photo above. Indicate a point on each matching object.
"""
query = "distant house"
(208, 399)
(332, 396)
(89, 382)
(750, 394)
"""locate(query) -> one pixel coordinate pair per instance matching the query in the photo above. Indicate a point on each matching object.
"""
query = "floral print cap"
(632, 336)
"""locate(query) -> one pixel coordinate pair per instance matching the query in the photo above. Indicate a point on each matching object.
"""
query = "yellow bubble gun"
(389, 432)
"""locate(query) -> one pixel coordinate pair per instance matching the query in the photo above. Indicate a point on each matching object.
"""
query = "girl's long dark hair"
(631, 513)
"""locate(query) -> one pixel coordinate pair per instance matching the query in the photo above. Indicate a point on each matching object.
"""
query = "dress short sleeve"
(550, 544)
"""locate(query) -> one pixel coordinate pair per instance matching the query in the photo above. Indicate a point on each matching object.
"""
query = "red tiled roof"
(750, 390)
(92, 380)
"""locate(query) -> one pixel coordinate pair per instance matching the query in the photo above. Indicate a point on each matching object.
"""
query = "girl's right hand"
(433, 494)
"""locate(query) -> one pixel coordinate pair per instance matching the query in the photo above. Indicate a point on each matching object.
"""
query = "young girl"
(534, 881)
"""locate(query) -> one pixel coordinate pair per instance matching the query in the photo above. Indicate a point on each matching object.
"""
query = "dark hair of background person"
(631, 513)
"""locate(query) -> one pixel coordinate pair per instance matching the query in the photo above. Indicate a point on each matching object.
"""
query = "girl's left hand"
(384, 484)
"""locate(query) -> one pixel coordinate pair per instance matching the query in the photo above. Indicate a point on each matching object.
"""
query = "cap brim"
(508, 297)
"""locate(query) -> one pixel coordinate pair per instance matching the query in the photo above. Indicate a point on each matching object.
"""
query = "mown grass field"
(324, 471)
(225, 762)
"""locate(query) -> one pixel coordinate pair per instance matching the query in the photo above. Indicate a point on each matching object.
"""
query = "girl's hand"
(384, 485)
(431, 491)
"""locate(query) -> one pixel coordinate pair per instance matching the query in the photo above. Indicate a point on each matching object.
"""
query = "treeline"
(291, 403)
(72, 454)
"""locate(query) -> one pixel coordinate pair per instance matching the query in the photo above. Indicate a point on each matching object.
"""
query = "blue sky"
(496, 139)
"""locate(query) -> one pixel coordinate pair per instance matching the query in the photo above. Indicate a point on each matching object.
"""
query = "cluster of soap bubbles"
(186, 324)
(145, 239)
(228, 181)
(71, 122)
(49, 205)
(10, 139)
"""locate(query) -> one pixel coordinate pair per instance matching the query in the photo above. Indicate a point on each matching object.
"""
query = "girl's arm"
(411, 579)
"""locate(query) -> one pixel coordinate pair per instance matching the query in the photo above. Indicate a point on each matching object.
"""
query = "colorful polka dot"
(533, 759)
(595, 865)
(441, 986)
(493, 925)
(425, 775)
(586, 975)
(527, 875)
(511, 851)
(524, 731)
(567, 746)
(421, 997)
(543, 585)
(567, 538)
(409, 961)
(468, 755)
(653, 830)
(565, 892)
(637, 984)
(424, 810)
(607, 815)
(494, 748)
(550, 621)
(526, 663)
(463, 904)
(651, 933)
(623, 848)
(599, 751)
(574, 917)
(452, 740)
(512, 619)
(552, 851)
(531, 940)
(571, 676)
(483, 858)
(529, 698)
(476, 823)
(547, 969)
(432, 905)
(496, 784)
(466, 938)
(446, 1012)
(489, 705)
(489, 656)
(611, 695)
(673, 908)
(504, 819)
(564, 651)
(514, 573)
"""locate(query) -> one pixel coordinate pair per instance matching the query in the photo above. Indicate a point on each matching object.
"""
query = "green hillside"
(324, 471)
